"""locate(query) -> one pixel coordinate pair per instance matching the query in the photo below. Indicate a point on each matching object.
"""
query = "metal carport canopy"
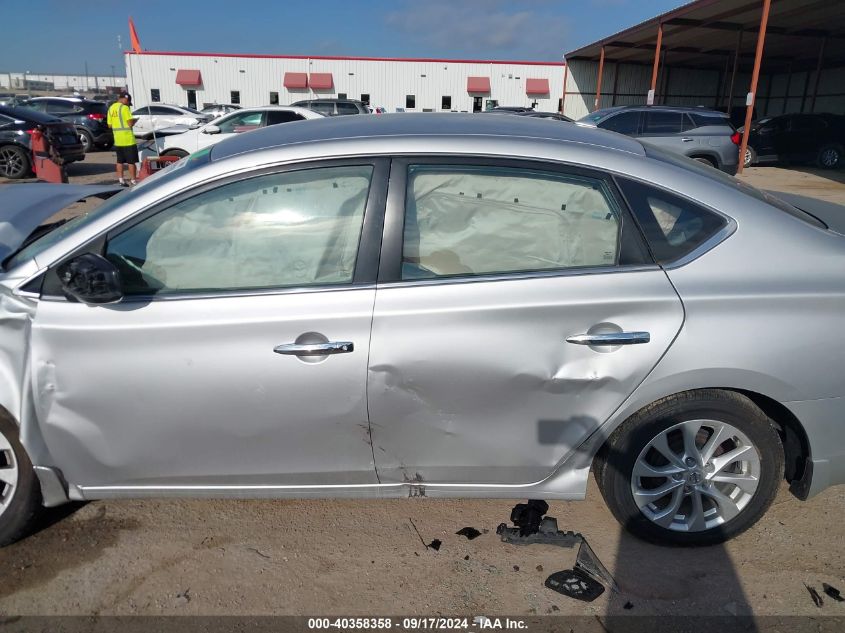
(701, 34)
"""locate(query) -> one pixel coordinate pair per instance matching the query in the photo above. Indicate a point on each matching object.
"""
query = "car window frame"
(644, 131)
(631, 247)
(366, 258)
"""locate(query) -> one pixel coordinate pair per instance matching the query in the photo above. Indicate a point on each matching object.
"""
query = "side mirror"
(211, 129)
(91, 278)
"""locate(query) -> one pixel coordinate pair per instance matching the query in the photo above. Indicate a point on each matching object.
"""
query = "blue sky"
(71, 33)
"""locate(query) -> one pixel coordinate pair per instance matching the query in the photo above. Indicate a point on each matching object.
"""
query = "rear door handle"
(315, 349)
(610, 338)
(687, 139)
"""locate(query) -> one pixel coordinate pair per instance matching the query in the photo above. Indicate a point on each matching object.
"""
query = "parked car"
(799, 138)
(509, 110)
(334, 107)
(215, 110)
(707, 136)
(547, 115)
(13, 100)
(494, 308)
(158, 116)
(88, 117)
(16, 127)
(192, 139)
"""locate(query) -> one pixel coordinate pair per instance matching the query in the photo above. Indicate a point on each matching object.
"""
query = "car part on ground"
(16, 128)
(619, 283)
(704, 135)
(87, 116)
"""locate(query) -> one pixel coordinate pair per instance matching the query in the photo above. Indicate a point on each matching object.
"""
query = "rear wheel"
(830, 157)
(750, 157)
(14, 162)
(705, 160)
(697, 468)
(20, 492)
(87, 140)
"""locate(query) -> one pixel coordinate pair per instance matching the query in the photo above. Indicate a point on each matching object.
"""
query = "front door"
(237, 357)
(192, 99)
(235, 123)
(477, 104)
(517, 311)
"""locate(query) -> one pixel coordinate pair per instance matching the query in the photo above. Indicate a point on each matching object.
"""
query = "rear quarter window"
(673, 226)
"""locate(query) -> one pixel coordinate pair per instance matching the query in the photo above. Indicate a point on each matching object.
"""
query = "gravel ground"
(365, 557)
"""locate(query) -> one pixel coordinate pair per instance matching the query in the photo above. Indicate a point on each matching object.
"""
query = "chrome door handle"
(315, 349)
(610, 338)
(687, 139)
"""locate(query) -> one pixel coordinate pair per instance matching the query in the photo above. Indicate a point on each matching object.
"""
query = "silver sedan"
(439, 305)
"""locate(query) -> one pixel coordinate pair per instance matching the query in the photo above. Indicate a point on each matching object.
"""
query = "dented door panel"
(190, 392)
(474, 382)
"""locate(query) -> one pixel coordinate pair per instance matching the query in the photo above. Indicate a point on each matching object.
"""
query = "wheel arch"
(796, 444)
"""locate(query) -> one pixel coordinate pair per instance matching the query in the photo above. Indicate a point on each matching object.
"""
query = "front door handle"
(610, 338)
(687, 139)
(315, 349)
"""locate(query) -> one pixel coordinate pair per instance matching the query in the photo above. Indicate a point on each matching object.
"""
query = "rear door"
(665, 129)
(516, 309)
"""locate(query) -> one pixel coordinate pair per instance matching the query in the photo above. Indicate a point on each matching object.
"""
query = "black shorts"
(127, 155)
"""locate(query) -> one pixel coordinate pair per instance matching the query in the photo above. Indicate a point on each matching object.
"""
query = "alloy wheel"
(8, 473)
(695, 475)
(748, 158)
(830, 157)
(11, 162)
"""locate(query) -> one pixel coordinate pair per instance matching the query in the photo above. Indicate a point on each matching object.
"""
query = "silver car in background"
(448, 306)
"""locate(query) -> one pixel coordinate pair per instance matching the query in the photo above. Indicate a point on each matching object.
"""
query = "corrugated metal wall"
(691, 87)
(386, 82)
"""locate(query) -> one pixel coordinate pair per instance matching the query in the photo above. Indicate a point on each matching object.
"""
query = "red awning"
(537, 86)
(478, 84)
(188, 77)
(321, 81)
(296, 80)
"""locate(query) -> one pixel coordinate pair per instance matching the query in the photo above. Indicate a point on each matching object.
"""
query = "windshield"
(38, 246)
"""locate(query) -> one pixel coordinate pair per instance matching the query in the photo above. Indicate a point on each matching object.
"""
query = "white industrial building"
(413, 85)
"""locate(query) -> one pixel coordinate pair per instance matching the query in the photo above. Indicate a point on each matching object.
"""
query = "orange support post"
(598, 81)
(650, 100)
(755, 75)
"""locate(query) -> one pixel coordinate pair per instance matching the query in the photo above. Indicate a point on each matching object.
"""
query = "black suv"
(333, 107)
(88, 117)
(16, 126)
(799, 138)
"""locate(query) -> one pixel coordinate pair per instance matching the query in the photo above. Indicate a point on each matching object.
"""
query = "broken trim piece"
(53, 486)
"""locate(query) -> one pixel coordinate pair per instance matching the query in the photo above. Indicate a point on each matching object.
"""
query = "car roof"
(28, 114)
(283, 108)
(666, 108)
(329, 100)
(450, 126)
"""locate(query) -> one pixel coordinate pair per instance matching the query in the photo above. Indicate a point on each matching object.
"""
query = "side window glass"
(275, 117)
(623, 123)
(297, 228)
(483, 220)
(673, 226)
(241, 122)
(346, 108)
(658, 122)
(322, 108)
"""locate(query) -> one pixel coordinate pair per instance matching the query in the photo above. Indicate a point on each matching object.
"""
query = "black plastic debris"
(546, 534)
(469, 532)
(435, 544)
(575, 583)
(833, 592)
(527, 516)
(628, 606)
(817, 599)
(516, 567)
(466, 557)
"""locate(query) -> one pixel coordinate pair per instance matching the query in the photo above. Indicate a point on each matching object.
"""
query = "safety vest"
(118, 121)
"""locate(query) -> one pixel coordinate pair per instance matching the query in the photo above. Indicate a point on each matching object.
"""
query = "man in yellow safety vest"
(121, 122)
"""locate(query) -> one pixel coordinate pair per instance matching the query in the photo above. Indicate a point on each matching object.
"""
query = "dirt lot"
(353, 557)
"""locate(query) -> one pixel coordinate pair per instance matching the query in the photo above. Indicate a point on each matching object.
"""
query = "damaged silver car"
(438, 305)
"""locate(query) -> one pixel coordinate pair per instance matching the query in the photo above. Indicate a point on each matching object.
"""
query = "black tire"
(87, 140)
(15, 162)
(615, 465)
(705, 160)
(25, 504)
(178, 153)
(750, 157)
(830, 156)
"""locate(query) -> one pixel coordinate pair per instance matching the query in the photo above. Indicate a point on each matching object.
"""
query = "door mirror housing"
(91, 278)
(211, 129)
